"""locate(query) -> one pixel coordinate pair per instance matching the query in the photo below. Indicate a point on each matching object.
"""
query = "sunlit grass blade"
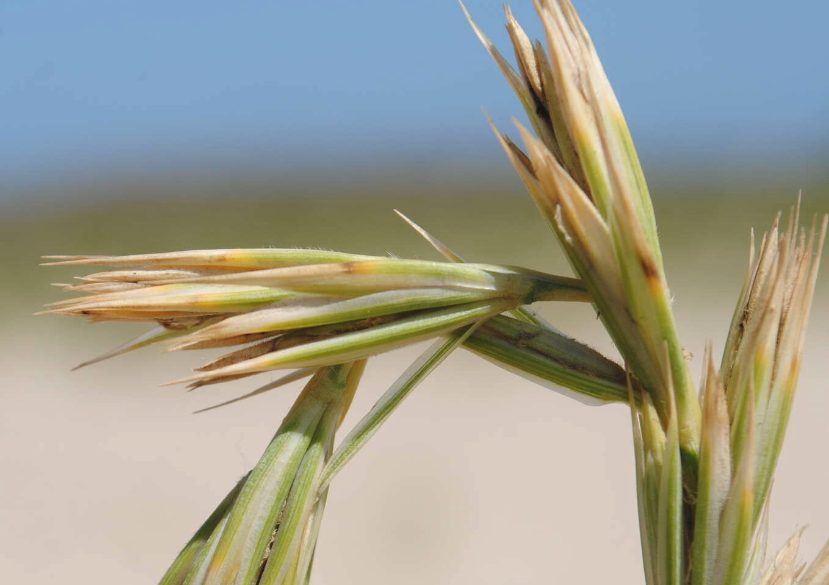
(283, 555)
(236, 259)
(391, 399)
(198, 571)
(757, 560)
(646, 523)
(654, 442)
(362, 344)
(670, 552)
(291, 555)
(218, 342)
(284, 380)
(187, 561)
(550, 359)
(714, 476)
(158, 301)
(147, 277)
(291, 315)
(154, 335)
(737, 521)
(305, 562)
(649, 303)
(246, 537)
(362, 277)
(255, 515)
(99, 287)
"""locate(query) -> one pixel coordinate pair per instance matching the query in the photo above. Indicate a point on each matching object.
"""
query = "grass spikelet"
(704, 465)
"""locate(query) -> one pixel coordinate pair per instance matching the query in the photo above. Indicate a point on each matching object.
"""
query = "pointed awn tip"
(441, 248)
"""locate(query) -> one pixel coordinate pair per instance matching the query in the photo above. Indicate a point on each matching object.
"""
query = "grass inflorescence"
(705, 455)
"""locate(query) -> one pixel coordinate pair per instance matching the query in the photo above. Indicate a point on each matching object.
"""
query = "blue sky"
(94, 85)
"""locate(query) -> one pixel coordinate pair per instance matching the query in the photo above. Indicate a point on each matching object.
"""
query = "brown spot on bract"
(649, 268)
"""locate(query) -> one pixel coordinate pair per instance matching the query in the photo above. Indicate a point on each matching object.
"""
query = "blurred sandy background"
(480, 477)
(157, 126)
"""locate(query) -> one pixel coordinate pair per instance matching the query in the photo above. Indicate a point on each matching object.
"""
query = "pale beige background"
(479, 477)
